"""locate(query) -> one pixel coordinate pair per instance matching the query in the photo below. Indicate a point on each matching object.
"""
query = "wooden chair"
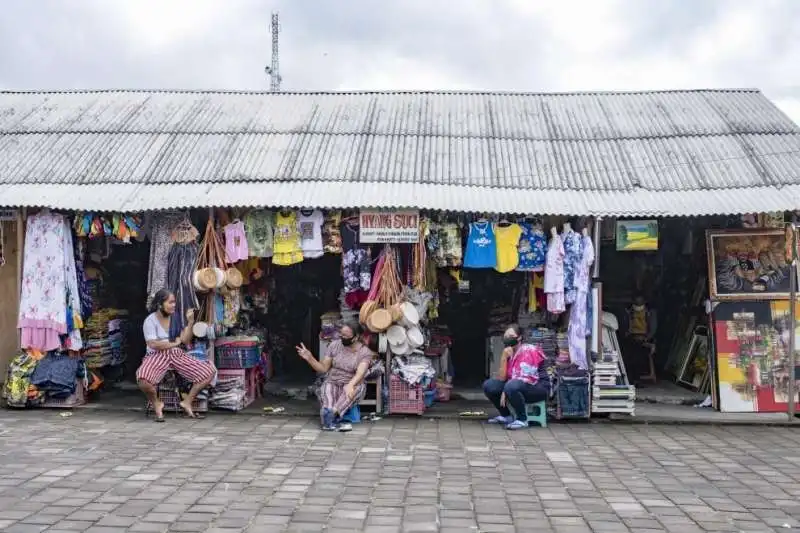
(377, 402)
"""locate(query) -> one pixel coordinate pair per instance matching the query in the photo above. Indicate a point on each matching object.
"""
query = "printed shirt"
(345, 361)
(532, 249)
(524, 365)
(507, 242)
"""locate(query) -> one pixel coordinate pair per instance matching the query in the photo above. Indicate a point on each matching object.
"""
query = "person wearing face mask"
(345, 365)
(517, 382)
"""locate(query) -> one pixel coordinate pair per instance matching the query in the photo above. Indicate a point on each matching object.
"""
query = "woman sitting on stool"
(346, 365)
(517, 381)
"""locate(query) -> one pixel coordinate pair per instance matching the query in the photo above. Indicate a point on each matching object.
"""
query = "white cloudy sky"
(519, 45)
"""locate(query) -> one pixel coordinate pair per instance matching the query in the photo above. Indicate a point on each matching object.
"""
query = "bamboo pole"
(22, 215)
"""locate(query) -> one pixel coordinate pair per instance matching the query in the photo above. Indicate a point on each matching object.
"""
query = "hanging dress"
(287, 248)
(579, 327)
(259, 232)
(507, 246)
(554, 276)
(481, 246)
(236, 248)
(572, 258)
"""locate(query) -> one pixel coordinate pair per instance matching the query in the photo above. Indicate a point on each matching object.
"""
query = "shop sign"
(7, 215)
(389, 226)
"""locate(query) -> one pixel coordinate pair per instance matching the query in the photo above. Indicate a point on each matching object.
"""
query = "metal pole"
(596, 242)
(793, 324)
(595, 344)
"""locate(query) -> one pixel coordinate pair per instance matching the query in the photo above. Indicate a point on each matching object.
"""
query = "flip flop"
(159, 419)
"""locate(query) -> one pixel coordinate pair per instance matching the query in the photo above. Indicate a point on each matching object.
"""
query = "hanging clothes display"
(309, 223)
(554, 275)
(356, 265)
(572, 258)
(258, 228)
(49, 298)
(444, 244)
(236, 248)
(532, 248)
(287, 248)
(163, 224)
(481, 246)
(507, 236)
(181, 263)
(331, 233)
(579, 326)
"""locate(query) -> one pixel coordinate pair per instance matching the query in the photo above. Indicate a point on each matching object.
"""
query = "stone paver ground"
(118, 472)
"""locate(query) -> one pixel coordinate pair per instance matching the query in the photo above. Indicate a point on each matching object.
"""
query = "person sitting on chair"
(346, 365)
(517, 382)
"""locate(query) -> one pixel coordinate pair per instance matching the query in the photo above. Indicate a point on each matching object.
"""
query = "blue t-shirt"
(481, 246)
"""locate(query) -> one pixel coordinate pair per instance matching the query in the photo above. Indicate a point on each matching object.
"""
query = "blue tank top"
(481, 246)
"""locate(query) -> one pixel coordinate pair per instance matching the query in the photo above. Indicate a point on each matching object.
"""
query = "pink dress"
(235, 242)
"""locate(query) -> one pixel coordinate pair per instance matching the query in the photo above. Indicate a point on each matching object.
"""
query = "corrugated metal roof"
(592, 150)
(325, 194)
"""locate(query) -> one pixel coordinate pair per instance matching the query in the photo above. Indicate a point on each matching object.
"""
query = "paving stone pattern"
(118, 472)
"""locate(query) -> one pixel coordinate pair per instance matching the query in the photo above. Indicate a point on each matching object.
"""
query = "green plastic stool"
(536, 412)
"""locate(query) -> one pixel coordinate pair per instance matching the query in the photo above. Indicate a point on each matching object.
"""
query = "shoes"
(501, 420)
(345, 427)
(517, 424)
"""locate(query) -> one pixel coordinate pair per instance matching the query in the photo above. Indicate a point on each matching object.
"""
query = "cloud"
(405, 44)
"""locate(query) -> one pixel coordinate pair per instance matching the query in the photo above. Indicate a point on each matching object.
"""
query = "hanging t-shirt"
(532, 249)
(309, 223)
(481, 246)
(258, 229)
(236, 248)
(287, 248)
(507, 241)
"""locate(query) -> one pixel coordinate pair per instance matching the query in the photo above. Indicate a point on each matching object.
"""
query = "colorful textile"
(508, 240)
(287, 248)
(331, 233)
(356, 270)
(524, 364)
(554, 276)
(160, 244)
(572, 258)
(258, 228)
(156, 365)
(57, 373)
(181, 263)
(236, 248)
(18, 379)
(49, 300)
(309, 223)
(579, 327)
(444, 244)
(532, 248)
(481, 246)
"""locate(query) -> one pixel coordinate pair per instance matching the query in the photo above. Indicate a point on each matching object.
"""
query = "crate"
(405, 398)
(237, 355)
(168, 393)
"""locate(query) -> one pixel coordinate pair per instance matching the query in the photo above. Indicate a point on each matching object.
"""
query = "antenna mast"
(274, 69)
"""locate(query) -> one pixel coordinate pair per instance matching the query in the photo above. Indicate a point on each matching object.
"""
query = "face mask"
(348, 342)
(638, 307)
(510, 341)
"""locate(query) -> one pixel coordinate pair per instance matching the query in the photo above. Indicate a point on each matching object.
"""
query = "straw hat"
(220, 277)
(396, 335)
(410, 316)
(415, 337)
(233, 278)
(379, 321)
(397, 312)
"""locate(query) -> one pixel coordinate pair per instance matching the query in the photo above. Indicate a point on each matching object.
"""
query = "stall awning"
(662, 153)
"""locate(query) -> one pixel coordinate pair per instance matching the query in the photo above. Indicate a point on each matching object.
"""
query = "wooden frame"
(760, 249)
(686, 376)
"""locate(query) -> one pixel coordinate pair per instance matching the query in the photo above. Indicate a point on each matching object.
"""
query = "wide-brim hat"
(379, 321)
(233, 278)
(206, 279)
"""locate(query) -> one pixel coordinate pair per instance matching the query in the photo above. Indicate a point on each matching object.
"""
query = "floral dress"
(573, 245)
(532, 249)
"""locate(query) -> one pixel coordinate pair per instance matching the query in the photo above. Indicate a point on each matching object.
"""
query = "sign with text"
(389, 226)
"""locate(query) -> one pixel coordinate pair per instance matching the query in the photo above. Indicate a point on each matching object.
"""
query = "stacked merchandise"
(173, 389)
(546, 340)
(45, 379)
(410, 376)
(329, 326)
(611, 391)
(230, 392)
(106, 335)
(562, 342)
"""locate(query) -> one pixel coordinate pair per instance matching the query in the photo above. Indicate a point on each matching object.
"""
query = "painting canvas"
(752, 355)
(637, 235)
(747, 264)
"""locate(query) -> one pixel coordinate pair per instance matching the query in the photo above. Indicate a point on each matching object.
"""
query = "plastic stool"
(353, 415)
(535, 412)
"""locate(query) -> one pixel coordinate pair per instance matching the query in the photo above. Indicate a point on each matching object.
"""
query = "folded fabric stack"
(413, 369)
(562, 341)
(105, 338)
(546, 339)
(329, 327)
(229, 393)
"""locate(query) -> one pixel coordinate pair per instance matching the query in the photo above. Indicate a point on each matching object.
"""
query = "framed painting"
(637, 235)
(747, 264)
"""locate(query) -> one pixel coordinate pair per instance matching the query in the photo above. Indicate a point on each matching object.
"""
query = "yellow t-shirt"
(286, 236)
(507, 242)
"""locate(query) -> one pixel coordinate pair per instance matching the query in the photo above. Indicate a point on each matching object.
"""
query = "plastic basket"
(237, 355)
(405, 398)
(443, 391)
